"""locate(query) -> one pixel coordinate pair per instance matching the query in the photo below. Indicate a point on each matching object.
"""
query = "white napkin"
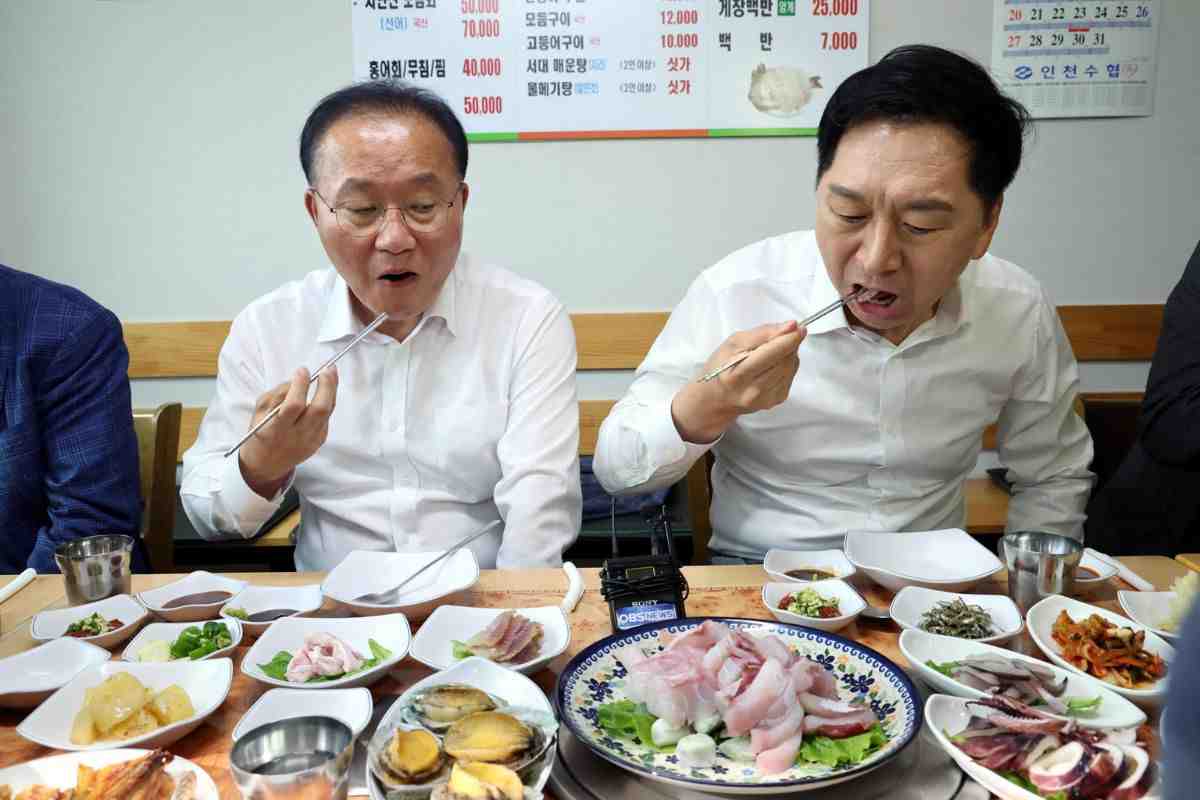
(1127, 575)
(17, 584)
(574, 587)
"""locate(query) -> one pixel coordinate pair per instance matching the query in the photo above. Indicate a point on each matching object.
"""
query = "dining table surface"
(1190, 560)
(721, 591)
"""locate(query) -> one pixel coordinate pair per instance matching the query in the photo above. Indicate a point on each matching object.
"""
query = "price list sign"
(573, 69)
(1064, 59)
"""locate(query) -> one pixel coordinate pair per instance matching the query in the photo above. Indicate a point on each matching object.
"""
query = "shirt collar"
(340, 321)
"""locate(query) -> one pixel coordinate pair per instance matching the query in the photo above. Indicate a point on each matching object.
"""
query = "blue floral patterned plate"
(596, 676)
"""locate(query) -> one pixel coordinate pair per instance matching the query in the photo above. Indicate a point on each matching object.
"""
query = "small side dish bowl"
(196, 583)
(170, 631)
(1148, 609)
(911, 603)
(779, 562)
(256, 599)
(28, 678)
(850, 603)
(352, 706)
(49, 625)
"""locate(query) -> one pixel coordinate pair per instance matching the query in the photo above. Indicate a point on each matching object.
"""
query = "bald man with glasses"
(458, 411)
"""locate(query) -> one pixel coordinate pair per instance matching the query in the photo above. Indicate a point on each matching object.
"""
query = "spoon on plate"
(389, 596)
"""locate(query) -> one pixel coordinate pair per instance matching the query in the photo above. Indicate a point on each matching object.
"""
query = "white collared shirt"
(873, 436)
(472, 418)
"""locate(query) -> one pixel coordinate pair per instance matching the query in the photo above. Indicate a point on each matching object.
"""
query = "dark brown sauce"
(809, 574)
(1086, 572)
(270, 614)
(199, 599)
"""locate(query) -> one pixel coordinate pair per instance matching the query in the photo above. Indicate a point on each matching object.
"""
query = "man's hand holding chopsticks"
(703, 410)
(298, 430)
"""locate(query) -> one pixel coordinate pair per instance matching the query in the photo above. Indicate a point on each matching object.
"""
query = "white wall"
(148, 156)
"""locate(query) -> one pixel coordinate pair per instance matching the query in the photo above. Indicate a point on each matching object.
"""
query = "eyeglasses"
(364, 220)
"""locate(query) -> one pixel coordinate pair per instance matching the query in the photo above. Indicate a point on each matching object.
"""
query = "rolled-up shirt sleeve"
(639, 448)
(539, 494)
(1041, 440)
(215, 495)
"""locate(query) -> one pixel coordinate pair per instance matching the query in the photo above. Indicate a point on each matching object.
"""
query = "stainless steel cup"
(1039, 565)
(95, 567)
(302, 757)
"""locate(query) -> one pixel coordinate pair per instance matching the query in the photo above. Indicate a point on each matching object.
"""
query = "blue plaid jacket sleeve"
(91, 478)
(79, 395)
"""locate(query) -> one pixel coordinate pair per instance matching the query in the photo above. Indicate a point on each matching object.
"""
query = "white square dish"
(206, 683)
(1148, 609)
(169, 631)
(949, 560)
(919, 647)
(351, 706)
(778, 562)
(28, 678)
(1040, 620)
(390, 631)
(365, 571)
(49, 625)
(513, 688)
(911, 603)
(433, 643)
(254, 599)
(947, 717)
(199, 581)
(849, 603)
(1085, 584)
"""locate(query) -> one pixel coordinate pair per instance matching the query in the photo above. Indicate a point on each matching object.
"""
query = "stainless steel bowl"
(1039, 564)
(95, 567)
(302, 757)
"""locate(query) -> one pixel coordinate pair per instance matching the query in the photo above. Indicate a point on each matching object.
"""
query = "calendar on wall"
(1067, 59)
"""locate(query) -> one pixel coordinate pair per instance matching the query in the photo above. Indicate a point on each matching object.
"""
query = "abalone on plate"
(470, 780)
(410, 757)
(496, 737)
(439, 707)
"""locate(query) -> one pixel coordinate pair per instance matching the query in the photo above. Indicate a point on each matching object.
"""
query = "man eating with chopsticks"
(871, 418)
(458, 411)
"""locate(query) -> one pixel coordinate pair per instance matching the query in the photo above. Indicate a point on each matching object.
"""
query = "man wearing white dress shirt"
(871, 418)
(460, 410)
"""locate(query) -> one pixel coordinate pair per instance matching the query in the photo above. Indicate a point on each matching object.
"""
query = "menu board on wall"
(568, 69)
(1073, 59)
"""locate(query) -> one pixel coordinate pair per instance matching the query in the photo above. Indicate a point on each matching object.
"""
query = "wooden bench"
(619, 341)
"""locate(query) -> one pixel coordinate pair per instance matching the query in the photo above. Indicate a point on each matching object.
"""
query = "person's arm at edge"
(1170, 420)
(639, 448)
(1042, 441)
(216, 498)
(92, 482)
(539, 494)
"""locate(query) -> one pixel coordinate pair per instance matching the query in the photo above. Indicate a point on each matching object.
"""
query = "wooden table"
(715, 591)
(1190, 560)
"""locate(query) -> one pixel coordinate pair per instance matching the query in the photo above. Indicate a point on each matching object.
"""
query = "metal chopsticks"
(836, 304)
(375, 323)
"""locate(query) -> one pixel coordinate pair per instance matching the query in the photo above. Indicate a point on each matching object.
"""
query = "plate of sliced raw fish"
(521, 639)
(738, 706)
